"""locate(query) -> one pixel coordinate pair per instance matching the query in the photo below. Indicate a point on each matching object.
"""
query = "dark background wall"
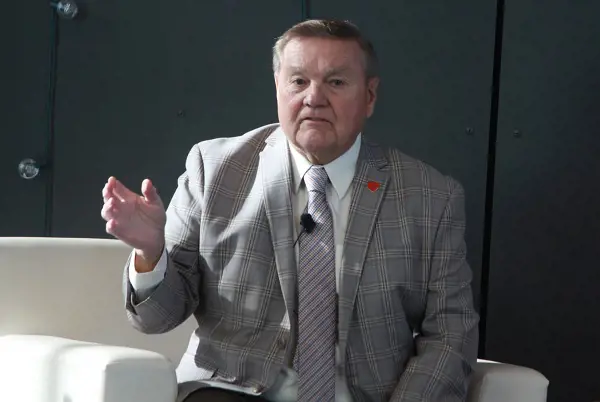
(503, 95)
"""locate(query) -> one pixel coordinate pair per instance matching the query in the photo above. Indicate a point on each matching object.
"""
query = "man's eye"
(337, 83)
(299, 81)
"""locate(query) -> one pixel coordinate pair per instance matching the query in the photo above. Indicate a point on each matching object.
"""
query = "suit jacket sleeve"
(446, 344)
(177, 295)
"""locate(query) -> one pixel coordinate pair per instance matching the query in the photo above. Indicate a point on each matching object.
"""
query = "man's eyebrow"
(296, 70)
(328, 73)
(337, 71)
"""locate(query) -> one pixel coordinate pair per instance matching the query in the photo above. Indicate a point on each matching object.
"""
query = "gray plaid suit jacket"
(406, 322)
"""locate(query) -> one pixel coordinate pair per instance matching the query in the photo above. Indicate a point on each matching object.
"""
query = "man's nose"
(315, 96)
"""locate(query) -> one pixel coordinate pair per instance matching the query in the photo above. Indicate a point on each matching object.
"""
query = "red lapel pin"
(373, 185)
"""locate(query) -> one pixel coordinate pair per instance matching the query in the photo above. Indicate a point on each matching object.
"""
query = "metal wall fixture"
(29, 168)
(66, 8)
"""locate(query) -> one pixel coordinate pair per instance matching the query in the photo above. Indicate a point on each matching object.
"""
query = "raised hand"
(137, 220)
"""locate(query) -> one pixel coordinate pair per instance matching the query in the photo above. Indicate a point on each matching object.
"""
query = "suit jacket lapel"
(364, 209)
(277, 184)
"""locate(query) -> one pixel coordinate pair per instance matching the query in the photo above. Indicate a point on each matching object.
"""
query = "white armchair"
(36, 368)
(500, 382)
(64, 336)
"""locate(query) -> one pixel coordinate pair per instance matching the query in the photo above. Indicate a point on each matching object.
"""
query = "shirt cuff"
(145, 282)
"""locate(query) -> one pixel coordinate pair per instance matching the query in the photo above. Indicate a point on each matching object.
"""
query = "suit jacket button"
(257, 389)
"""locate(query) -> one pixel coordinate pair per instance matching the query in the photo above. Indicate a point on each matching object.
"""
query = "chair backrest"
(72, 288)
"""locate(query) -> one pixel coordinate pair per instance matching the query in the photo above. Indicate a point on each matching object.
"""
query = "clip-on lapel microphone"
(308, 225)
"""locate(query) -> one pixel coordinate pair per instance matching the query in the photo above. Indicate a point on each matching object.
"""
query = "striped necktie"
(315, 353)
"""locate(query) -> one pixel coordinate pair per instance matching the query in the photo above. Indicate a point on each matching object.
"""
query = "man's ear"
(372, 85)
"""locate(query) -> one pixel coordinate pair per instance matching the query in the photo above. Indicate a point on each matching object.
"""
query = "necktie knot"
(316, 179)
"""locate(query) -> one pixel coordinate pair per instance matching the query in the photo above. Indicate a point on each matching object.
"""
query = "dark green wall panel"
(545, 277)
(25, 75)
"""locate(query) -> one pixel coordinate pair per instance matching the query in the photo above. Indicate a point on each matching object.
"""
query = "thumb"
(150, 192)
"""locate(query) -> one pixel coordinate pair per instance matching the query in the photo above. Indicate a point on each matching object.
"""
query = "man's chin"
(314, 132)
(313, 138)
(315, 143)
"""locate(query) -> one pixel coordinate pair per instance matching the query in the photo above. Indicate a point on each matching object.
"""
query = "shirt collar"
(340, 170)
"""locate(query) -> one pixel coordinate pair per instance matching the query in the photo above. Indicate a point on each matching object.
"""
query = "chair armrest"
(498, 382)
(37, 368)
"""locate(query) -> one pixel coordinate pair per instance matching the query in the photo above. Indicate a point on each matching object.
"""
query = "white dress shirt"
(339, 194)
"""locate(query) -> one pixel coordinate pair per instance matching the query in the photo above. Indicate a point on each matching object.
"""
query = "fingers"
(150, 192)
(111, 213)
(114, 188)
(107, 192)
(111, 228)
(110, 209)
(122, 192)
(116, 198)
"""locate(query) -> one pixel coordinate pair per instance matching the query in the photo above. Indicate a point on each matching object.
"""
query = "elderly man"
(318, 265)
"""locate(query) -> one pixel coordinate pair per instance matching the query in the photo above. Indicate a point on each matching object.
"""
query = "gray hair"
(332, 29)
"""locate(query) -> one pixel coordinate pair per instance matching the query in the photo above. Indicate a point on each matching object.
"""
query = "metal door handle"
(29, 168)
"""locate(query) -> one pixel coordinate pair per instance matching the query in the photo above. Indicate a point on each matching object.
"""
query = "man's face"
(323, 96)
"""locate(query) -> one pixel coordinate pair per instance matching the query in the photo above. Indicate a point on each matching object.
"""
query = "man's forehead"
(300, 52)
(316, 44)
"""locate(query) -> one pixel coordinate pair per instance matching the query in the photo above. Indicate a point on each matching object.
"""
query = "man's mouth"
(316, 119)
